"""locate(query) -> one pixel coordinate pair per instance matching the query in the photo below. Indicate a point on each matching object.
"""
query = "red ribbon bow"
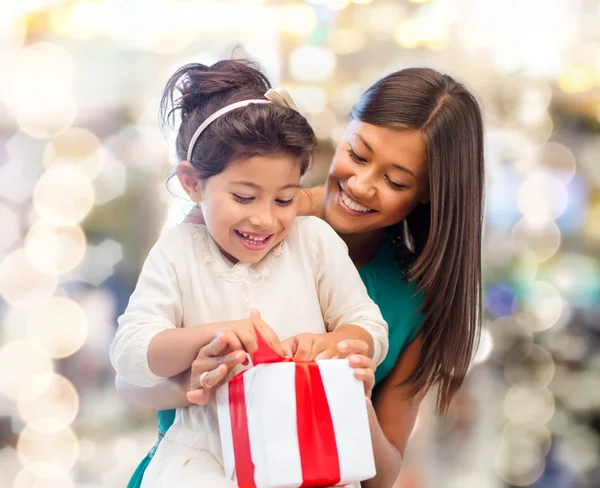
(316, 437)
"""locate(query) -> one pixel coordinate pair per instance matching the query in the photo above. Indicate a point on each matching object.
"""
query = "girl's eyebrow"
(258, 187)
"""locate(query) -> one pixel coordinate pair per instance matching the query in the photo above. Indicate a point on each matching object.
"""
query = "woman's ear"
(189, 181)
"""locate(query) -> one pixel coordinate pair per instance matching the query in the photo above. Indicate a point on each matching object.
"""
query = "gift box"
(295, 424)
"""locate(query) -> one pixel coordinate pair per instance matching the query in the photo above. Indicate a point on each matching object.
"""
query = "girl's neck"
(362, 248)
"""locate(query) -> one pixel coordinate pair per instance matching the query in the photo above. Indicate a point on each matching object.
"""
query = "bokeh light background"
(82, 198)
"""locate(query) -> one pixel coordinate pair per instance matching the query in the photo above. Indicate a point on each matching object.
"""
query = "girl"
(243, 152)
(405, 192)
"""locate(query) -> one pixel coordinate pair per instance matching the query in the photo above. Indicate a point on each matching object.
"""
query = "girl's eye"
(241, 199)
(355, 156)
(395, 186)
(284, 203)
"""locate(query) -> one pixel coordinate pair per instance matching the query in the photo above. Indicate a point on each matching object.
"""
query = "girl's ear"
(189, 181)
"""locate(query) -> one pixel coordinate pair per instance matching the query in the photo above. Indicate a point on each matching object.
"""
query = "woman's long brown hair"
(447, 231)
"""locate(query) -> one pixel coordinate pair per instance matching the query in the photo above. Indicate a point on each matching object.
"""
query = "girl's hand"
(310, 347)
(241, 334)
(210, 368)
(364, 367)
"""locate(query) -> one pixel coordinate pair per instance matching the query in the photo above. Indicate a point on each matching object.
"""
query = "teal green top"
(399, 303)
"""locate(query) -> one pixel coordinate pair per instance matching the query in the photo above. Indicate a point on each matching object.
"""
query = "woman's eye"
(395, 186)
(355, 157)
(284, 203)
(241, 199)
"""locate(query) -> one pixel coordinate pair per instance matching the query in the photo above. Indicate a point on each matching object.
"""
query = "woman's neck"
(362, 248)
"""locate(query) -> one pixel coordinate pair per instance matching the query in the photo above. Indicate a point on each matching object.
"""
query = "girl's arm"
(393, 415)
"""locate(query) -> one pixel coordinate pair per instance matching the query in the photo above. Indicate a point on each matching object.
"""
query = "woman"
(405, 192)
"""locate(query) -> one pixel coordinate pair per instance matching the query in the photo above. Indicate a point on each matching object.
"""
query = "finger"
(326, 354)
(353, 346)
(203, 365)
(361, 361)
(224, 340)
(303, 347)
(289, 347)
(367, 375)
(269, 335)
(202, 396)
(211, 379)
(247, 337)
(254, 314)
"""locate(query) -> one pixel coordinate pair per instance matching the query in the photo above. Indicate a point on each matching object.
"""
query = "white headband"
(278, 96)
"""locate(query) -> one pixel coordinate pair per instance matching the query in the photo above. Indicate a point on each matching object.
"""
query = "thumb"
(254, 314)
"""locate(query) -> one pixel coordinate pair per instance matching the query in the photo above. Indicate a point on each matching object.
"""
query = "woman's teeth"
(257, 240)
(357, 207)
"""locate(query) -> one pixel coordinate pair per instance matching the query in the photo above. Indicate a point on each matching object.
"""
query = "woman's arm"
(393, 417)
(168, 394)
(312, 201)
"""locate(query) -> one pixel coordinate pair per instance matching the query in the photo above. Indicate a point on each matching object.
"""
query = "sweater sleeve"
(342, 294)
(154, 306)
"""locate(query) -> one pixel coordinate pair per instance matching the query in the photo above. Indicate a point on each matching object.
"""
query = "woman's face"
(378, 176)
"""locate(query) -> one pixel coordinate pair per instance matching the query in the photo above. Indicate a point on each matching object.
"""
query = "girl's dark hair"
(447, 231)
(197, 91)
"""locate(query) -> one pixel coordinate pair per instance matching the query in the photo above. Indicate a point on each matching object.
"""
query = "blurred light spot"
(100, 262)
(536, 366)
(52, 398)
(486, 345)
(82, 19)
(324, 123)
(22, 360)
(501, 206)
(577, 277)
(509, 337)
(588, 158)
(11, 228)
(111, 182)
(500, 300)
(576, 79)
(573, 218)
(558, 159)
(12, 34)
(78, 147)
(542, 198)
(22, 285)
(332, 4)
(59, 326)
(310, 99)
(524, 266)
(47, 449)
(46, 61)
(28, 479)
(312, 63)
(585, 445)
(546, 304)
(55, 250)
(346, 41)
(47, 120)
(529, 404)
(63, 195)
(544, 240)
(535, 437)
(297, 18)
(518, 459)
(17, 179)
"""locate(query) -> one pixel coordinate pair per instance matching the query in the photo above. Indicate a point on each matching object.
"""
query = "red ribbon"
(316, 438)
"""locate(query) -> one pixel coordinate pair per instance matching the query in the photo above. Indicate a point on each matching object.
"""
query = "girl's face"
(250, 206)
(378, 176)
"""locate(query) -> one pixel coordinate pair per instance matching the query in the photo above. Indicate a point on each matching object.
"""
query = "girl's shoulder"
(310, 228)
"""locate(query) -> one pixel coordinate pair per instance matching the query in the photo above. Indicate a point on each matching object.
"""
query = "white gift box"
(284, 437)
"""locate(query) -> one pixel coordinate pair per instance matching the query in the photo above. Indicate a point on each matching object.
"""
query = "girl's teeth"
(255, 239)
(352, 204)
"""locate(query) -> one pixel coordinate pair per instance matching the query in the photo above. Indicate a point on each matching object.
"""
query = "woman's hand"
(310, 347)
(210, 368)
(364, 367)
